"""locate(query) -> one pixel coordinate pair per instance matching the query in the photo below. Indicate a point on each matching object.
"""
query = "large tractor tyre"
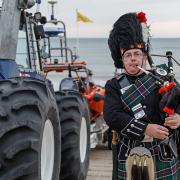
(29, 131)
(75, 129)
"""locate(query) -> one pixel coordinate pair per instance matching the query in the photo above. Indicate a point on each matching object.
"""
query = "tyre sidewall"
(85, 114)
(53, 117)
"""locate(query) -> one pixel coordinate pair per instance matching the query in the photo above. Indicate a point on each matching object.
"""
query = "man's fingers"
(171, 123)
(163, 132)
(163, 128)
(162, 136)
(158, 131)
(169, 118)
(172, 117)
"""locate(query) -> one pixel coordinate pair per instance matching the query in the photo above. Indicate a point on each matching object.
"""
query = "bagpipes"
(169, 89)
(170, 102)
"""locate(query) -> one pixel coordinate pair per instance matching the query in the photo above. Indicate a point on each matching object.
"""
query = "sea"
(96, 53)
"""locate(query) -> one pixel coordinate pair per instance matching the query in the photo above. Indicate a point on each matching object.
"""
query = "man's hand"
(157, 131)
(172, 121)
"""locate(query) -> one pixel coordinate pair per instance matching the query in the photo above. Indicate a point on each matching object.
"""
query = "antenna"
(38, 2)
(52, 2)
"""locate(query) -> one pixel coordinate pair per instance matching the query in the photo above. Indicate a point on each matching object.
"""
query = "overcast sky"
(163, 15)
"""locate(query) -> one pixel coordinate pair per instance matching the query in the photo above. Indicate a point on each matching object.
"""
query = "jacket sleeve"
(119, 119)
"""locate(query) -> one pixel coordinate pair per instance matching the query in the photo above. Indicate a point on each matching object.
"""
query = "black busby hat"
(129, 31)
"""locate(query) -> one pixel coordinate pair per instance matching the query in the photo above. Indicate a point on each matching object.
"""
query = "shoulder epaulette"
(123, 81)
(119, 76)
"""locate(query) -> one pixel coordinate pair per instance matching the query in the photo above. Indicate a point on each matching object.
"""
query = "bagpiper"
(141, 106)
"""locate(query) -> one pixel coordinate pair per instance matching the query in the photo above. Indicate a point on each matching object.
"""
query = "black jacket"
(131, 130)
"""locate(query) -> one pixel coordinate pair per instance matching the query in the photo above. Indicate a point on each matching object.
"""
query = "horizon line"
(107, 37)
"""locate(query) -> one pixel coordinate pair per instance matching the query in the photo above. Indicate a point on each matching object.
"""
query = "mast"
(52, 3)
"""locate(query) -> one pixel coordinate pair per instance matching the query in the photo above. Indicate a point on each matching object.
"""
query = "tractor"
(44, 135)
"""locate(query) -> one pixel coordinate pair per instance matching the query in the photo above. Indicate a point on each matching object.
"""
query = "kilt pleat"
(168, 170)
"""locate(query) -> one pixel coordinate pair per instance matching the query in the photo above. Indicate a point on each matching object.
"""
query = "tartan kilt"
(163, 170)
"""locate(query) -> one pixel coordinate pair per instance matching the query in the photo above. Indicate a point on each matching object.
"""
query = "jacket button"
(144, 107)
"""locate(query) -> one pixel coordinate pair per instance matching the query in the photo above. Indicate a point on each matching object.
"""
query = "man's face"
(133, 58)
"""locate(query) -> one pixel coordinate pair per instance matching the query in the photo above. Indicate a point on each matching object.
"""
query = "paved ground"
(100, 164)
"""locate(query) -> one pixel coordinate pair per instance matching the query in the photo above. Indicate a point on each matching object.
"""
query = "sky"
(163, 15)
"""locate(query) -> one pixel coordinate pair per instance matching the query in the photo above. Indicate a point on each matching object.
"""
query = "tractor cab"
(28, 55)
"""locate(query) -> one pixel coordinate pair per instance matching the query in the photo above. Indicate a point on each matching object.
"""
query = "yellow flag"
(82, 18)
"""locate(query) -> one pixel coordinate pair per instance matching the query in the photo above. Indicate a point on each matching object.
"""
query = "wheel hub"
(83, 139)
(47, 152)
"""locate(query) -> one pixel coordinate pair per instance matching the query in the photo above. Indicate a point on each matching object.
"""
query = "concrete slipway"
(100, 164)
